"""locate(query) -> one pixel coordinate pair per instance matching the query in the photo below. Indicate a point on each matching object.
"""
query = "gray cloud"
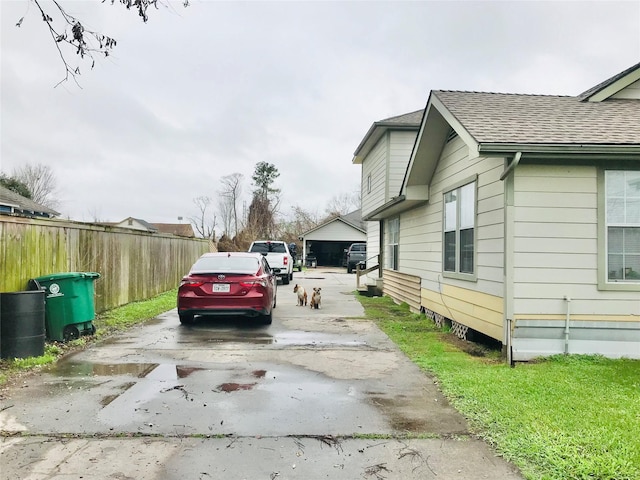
(203, 92)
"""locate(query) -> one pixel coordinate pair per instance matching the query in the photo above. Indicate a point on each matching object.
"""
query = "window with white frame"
(622, 190)
(459, 229)
(394, 241)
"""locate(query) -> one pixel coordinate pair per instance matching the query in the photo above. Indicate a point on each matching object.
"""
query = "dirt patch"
(472, 348)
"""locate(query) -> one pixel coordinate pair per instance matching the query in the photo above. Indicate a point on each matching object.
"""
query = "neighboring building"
(328, 241)
(518, 217)
(384, 154)
(136, 224)
(12, 203)
(179, 229)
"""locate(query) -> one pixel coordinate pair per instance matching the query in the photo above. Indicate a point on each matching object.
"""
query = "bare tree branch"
(73, 33)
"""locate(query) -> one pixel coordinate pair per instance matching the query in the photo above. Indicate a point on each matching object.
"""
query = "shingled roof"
(541, 119)
(14, 203)
(406, 121)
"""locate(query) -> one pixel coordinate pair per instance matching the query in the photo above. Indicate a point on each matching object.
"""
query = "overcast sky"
(213, 89)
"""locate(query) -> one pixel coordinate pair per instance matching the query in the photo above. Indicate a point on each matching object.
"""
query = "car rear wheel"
(186, 318)
(268, 318)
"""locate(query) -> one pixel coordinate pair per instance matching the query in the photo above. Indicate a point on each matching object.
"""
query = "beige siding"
(476, 304)
(403, 288)
(375, 165)
(556, 246)
(632, 91)
(373, 250)
(400, 146)
(476, 310)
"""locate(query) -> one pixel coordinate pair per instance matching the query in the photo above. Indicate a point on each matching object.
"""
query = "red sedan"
(228, 283)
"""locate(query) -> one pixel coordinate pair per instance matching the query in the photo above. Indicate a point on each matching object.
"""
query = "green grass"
(106, 323)
(565, 417)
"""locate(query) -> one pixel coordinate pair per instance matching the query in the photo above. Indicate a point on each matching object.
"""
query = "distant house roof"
(136, 224)
(12, 203)
(407, 121)
(179, 229)
(353, 219)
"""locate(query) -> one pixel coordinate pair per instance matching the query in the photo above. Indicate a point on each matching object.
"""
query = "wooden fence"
(133, 265)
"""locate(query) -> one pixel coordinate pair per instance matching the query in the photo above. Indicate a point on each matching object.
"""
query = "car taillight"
(251, 284)
(191, 283)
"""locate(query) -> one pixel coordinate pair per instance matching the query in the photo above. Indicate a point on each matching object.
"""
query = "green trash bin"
(69, 304)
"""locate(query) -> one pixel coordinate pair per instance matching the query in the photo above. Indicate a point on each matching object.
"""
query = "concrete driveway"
(317, 394)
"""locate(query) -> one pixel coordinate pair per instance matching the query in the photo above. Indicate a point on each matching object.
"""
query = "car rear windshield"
(359, 248)
(224, 264)
(267, 247)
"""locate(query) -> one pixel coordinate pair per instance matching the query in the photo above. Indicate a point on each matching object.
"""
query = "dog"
(316, 298)
(302, 295)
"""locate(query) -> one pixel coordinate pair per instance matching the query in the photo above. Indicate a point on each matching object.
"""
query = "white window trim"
(391, 244)
(459, 275)
(603, 278)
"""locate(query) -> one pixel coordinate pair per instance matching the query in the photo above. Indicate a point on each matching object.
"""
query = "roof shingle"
(543, 119)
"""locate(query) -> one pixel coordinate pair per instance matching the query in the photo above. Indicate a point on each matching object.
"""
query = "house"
(136, 224)
(12, 203)
(518, 218)
(384, 154)
(328, 241)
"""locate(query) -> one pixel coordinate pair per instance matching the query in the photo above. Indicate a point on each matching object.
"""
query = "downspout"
(514, 163)
(509, 235)
(566, 325)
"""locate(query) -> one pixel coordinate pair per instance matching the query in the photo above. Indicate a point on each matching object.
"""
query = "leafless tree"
(231, 191)
(69, 33)
(204, 222)
(41, 182)
(95, 215)
(343, 203)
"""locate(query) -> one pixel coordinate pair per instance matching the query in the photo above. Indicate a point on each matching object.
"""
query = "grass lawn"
(566, 417)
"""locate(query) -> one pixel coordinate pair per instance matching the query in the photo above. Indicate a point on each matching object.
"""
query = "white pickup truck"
(278, 256)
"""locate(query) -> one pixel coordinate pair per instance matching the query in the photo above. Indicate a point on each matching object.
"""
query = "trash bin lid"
(66, 275)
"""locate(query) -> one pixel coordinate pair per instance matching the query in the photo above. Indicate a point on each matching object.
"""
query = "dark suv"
(357, 253)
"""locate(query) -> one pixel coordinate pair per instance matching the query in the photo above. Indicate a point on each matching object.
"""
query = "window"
(394, 240)
(622, 191)
(459, 228)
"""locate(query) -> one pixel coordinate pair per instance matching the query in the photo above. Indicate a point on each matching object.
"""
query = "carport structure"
(327, 242)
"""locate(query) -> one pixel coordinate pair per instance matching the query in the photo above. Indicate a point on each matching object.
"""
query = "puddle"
(72, 369)
(110, 398)
(209, 336)
(184, 372)
(140, 370)
(301, 338)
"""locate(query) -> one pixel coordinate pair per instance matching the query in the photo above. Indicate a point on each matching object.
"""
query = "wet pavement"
(317, 394)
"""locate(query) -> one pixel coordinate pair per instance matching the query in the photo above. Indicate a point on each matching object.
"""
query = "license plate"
(221, 287)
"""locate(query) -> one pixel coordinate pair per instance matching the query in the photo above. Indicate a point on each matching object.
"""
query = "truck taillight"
(286, 260)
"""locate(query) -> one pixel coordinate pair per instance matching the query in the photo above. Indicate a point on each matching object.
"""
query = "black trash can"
(22, 324)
